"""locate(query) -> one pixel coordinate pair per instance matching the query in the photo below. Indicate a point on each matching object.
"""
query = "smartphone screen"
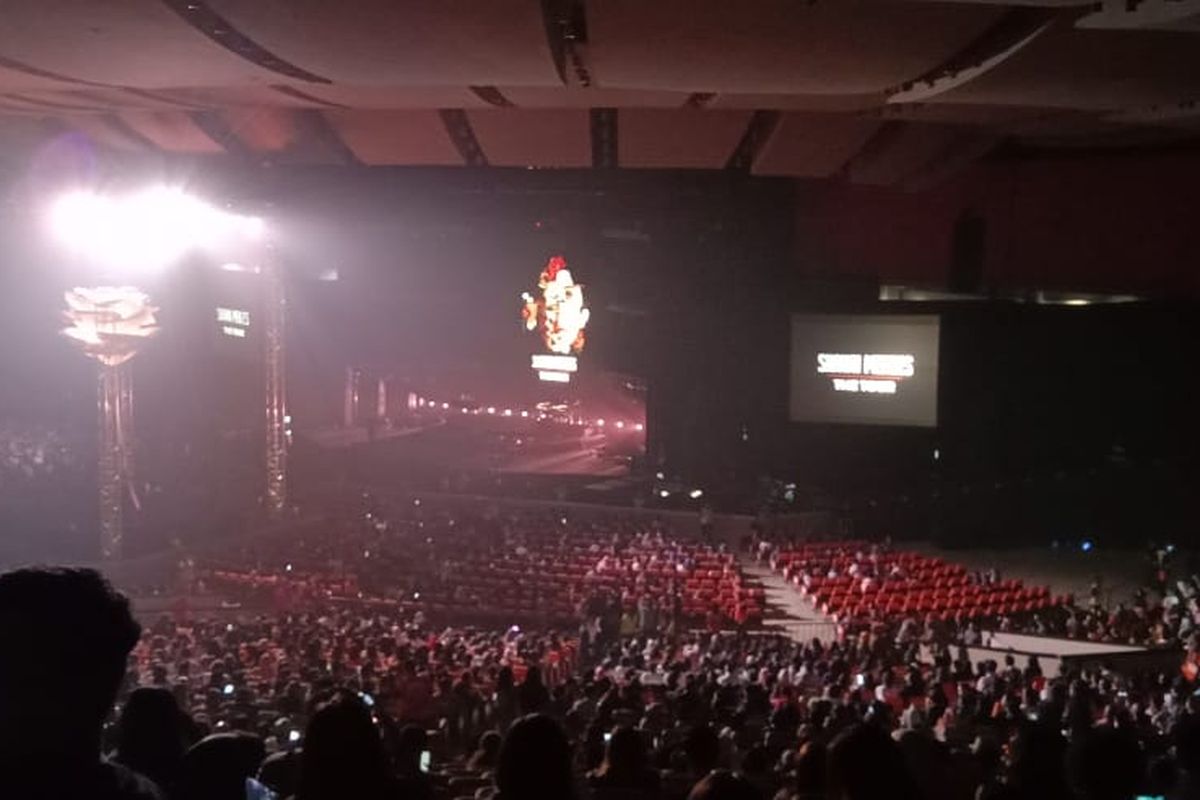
(426, 760)
(257, 791)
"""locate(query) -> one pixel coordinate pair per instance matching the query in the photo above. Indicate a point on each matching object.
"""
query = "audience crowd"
(624, 574)
(364, 674)
(862, 584)
(31, 452)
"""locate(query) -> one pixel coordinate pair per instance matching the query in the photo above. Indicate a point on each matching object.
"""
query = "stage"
(1058, 656)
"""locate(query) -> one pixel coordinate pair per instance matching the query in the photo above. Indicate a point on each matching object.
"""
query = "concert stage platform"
(1057, 656)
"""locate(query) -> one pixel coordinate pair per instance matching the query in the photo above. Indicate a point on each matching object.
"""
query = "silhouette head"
(150, 736)
(67, 635)
(535, 761)
(343, 755)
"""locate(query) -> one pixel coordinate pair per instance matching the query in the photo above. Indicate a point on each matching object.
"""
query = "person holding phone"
(343, 756)
(413, 762)
(626, 769)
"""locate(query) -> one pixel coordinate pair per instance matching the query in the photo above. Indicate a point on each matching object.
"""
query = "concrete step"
(787, 611)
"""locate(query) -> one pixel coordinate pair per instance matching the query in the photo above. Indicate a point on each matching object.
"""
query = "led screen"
(864, 369)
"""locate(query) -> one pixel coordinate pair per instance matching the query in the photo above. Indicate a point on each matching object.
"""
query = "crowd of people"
(334, 703)
(499, 567)
(863, 584)
(455, 652)
(30, 452)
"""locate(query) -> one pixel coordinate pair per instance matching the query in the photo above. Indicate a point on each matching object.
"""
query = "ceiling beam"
(458, 128)
(604, 132)
(207, 21)
(758, 131)
(1000, 42)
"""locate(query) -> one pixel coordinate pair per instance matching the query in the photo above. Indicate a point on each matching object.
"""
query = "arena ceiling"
(882, 92)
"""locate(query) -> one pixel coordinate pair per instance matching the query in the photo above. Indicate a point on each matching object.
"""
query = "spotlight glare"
(143, 231)
(254, 227)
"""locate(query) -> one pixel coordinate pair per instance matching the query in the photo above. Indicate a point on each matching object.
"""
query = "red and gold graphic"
(558, 314)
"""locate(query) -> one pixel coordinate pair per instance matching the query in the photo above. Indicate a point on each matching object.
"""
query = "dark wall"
(1054, 422)
(1107, 221)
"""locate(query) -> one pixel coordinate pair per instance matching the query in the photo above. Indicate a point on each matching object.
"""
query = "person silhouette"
(65, 637)
(535, 761)
(151, 738)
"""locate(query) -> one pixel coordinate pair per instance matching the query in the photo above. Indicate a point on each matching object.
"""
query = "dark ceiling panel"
(404, 42)
(519, 138)
(775, 46)
(395, 137)
(900, 151)
(138, 43)
(680, 138)
(813, 145)
(1096, 70)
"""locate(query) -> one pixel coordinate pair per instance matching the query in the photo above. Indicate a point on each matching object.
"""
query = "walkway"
(787, 611)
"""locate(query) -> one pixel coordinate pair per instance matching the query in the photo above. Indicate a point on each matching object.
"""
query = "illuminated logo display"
(866, 373)
(234, 322)
(559, 317)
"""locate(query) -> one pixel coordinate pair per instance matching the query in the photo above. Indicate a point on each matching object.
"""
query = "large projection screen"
(868, 369)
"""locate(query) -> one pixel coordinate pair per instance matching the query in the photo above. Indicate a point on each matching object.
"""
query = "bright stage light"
(143, 231)
(696, 494)
(233, 266)
(524, 415)
(620, 424)
(553, 362)
(600, 422)
(639, 427)
(254, 227)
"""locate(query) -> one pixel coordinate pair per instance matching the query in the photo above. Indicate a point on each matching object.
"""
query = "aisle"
(787, 610)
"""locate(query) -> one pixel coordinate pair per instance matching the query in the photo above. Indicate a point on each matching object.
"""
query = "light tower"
(276, 390)
(110, 323)
(137, 234)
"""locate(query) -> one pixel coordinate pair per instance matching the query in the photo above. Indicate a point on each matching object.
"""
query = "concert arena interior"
(599, 400)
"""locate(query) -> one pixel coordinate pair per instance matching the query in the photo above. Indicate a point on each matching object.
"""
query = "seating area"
(566, 574)
(852, 580)
(537, 569)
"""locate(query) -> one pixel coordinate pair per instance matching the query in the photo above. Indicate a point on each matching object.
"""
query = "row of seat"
(541, 577)
(849, 580)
